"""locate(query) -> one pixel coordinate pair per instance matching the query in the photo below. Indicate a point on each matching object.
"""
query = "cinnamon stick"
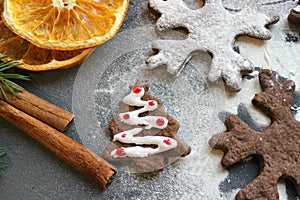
(41, 109)
(64, 147)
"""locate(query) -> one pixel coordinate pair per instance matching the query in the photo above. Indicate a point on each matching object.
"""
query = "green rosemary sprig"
(6, 85)
(2, 153)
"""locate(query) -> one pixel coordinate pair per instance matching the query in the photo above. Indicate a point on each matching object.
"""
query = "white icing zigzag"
(163, 143)
(132, 118)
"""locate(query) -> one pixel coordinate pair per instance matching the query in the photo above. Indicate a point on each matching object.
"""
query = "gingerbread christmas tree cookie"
(144, 135)
(278, 147)
(210, 28)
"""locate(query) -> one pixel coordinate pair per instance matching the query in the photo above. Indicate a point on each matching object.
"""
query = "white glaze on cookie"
(132, 118)
(297, 9)
(163, 144)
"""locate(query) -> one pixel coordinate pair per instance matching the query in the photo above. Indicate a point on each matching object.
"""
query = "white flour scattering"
(210, 28)
(187, 98)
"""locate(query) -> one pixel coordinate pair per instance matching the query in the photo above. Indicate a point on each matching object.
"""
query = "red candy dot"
(160, 122)
(120, 151)
(167, 142)
(123, 135)
(137, 89)
(151, 103)
(126, 116)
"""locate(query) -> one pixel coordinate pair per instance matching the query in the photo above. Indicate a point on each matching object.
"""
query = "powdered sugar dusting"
(199, 175)
(208, 31)
(297, 117)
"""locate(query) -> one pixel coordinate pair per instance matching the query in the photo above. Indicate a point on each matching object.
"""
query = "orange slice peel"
(34, 58)
(38, 57)
(65, 24)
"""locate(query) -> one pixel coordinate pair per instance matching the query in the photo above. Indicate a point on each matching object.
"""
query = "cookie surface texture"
(211, 29)
(278, 147)
(144, 135)
(294, 16)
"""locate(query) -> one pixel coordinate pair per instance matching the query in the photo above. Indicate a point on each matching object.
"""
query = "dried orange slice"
(65, 24)
(33, 57)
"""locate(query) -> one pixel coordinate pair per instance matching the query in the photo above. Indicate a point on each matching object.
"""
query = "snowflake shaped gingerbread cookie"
(212, 29)
(278, 146)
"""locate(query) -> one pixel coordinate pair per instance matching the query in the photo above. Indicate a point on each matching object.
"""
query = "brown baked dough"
(150, 163)
(278, 147)
(294, 16)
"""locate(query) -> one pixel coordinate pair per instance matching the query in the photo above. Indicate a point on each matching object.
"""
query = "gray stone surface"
(91, 91)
